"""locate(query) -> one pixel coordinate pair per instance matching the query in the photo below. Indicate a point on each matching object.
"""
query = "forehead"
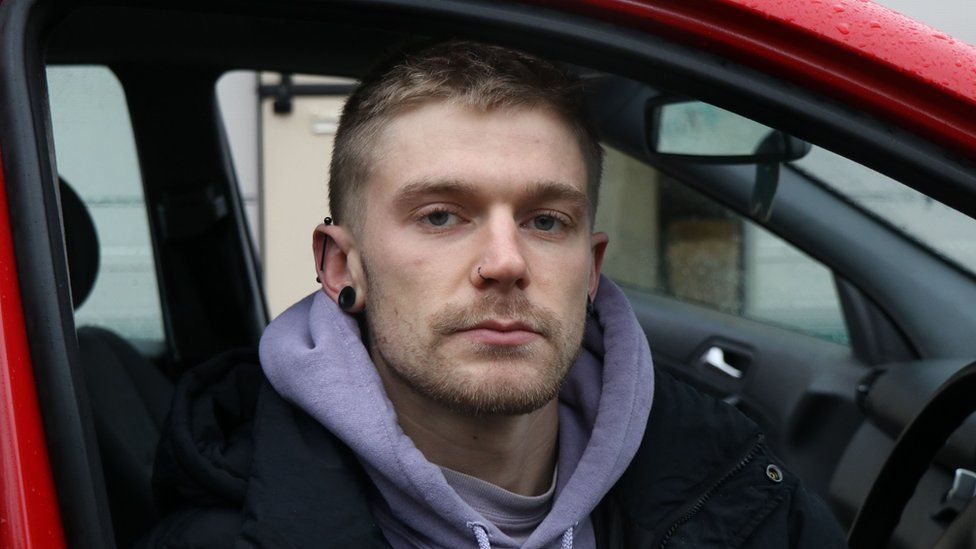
(501, 148)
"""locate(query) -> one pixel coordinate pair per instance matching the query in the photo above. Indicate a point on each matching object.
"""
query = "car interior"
(833, 392)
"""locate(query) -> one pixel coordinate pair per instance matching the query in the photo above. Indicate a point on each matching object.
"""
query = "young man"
(465, 378)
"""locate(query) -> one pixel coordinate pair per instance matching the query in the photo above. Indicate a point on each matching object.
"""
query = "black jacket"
(240, 467)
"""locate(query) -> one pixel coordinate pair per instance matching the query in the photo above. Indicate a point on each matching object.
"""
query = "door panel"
(798, 388)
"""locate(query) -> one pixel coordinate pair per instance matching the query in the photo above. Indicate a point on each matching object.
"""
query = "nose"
(502, 262)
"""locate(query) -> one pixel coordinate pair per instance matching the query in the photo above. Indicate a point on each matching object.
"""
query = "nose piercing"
(481, 275)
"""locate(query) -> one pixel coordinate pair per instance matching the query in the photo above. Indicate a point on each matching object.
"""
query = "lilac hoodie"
(314, 357)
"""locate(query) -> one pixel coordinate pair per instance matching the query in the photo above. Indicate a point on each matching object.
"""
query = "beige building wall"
(297, 147)
(627, 212)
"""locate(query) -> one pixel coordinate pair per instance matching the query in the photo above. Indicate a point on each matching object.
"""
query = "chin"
(499, 388)
(499, 401)
(486, 380)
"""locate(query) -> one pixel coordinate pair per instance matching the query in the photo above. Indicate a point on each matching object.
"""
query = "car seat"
(129, 395)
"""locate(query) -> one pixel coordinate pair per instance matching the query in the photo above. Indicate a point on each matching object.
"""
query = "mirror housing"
(694, 131)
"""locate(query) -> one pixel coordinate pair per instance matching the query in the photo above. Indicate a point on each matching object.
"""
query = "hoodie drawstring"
(481, 536)
(567, 539)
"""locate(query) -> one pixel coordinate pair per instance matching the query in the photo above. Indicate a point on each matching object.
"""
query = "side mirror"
(693, 131)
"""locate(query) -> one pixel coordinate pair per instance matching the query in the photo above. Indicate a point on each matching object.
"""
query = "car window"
(96, 156)
(947, 232)
(668, 239)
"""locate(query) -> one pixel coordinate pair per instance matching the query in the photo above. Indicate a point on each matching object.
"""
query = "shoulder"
(685, 423)
(204, 453)
(195, 527)
(704, 472)
(239, 462)
(205, 448)
(690, 438)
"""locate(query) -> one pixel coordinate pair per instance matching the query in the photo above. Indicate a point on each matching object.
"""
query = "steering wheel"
(914, 450)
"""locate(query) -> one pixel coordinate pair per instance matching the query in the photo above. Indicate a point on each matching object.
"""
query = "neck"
(517, 453)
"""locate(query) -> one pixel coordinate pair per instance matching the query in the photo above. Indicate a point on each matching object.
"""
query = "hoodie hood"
(314, 357)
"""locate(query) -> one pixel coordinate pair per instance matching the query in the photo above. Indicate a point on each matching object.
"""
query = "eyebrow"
(538, 190)
(554, 190)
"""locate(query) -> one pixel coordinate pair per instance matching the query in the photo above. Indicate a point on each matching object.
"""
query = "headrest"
(82, 244)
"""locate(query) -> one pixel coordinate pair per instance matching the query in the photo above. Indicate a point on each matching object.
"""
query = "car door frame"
(601, 42)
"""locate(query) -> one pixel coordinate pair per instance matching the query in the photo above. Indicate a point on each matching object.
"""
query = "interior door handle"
(715, 357)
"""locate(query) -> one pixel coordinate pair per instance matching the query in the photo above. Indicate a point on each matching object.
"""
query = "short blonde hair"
(471, 74)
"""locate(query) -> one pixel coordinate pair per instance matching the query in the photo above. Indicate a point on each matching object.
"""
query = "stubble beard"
(506, 380)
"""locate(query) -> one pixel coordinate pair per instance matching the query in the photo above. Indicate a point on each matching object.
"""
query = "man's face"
(478, 256)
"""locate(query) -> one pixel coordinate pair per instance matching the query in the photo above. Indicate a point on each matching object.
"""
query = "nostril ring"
(481, 275)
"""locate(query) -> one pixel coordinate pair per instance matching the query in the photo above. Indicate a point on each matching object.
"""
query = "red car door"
(847, 51)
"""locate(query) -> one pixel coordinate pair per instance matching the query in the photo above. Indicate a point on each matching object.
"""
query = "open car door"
(803, 303)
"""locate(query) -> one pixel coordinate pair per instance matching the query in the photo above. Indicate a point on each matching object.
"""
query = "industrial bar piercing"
(327, 221)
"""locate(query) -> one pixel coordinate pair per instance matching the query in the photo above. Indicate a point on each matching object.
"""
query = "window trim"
(29, 170)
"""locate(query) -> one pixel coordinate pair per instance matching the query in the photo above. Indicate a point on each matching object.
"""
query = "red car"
(802, 244)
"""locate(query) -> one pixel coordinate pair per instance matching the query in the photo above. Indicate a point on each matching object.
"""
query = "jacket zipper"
(753, 452)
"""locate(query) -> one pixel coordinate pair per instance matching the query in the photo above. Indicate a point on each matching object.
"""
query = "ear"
(598, 246)
(338, 263)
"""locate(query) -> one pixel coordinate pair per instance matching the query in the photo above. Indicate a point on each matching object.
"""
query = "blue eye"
(438, 219)
(544, 222)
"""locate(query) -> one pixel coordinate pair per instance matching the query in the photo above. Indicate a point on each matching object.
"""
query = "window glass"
(96, 156)
(942, 229)
(668, 239)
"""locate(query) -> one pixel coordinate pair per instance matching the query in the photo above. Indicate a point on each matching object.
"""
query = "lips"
(501, 332)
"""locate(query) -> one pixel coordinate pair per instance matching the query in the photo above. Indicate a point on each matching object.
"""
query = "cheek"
(565, 276)
(406, 284)
(565, 265)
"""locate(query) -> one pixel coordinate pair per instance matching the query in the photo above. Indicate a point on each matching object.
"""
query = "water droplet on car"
(843, 28)
(875, 25)
(940, 36)
(839, 8)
